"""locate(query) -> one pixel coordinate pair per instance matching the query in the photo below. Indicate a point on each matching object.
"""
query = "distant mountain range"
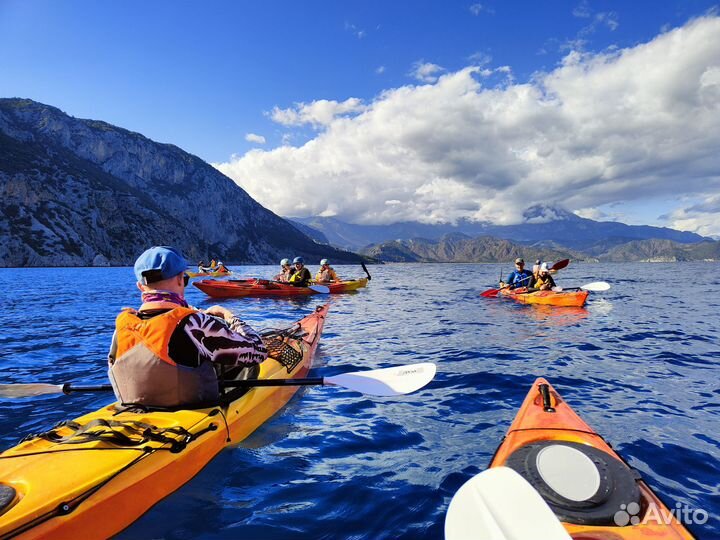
(82, 192)
(547, 233)
(541, 224)
(458, 247)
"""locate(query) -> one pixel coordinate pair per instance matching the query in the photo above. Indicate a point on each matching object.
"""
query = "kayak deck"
(545, 416)
(97, 488)
(347, 285)
(548, 298)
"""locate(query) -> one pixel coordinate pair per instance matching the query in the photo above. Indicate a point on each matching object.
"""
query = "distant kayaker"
(222, 268)
(213, 265)
(285, 271)
(544, 281)
(301, 276)
(519, 277)
(327, 273)
(167, 354)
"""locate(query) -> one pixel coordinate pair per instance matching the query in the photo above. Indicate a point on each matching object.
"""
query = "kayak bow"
(585, 482)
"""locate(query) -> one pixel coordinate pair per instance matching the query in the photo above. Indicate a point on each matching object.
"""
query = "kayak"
(549, 298)
(60, 485)
(588, 486)
(345, 286)
(256, 287)
(207, 274)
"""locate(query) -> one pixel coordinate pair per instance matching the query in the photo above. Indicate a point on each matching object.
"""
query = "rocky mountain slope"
(81, 192)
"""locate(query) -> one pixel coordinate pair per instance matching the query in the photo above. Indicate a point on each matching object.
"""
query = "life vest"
(143, 372)
(326, 275)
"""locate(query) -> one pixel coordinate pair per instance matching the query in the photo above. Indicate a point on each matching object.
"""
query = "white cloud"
(477, 9)
(702, 218)
(598, 130)
(252, 137)
(380, 70)
(318, 113)
(426, 72)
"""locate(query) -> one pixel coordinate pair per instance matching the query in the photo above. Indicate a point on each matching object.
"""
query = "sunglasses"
(186, 279)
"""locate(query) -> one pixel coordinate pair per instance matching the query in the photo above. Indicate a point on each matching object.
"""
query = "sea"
(640, 363)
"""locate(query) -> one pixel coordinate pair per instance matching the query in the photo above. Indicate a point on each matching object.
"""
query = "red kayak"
(255, 287)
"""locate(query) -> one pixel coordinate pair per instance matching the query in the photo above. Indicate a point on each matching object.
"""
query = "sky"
(376, 112)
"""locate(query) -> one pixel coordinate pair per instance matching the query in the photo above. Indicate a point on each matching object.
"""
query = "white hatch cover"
(568, 472)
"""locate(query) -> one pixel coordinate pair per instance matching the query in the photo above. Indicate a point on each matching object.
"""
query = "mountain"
(458, 247)
(82, 192)
(541, 223)
(663, 251)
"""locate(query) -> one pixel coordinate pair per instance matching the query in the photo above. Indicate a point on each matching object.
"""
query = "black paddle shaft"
(69, 388)
(252, 383)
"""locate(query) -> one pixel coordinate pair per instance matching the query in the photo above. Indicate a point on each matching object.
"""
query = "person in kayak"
(544, 281)
(222, 268)
(518, 277)
(301, 276)
(285, 271)
(167, 354)
(326, 274)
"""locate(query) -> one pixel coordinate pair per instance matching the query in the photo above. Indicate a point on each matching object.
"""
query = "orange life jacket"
(141, 370)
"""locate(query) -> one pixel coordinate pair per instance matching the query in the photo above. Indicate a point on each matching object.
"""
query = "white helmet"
(285, 262)
(323, 262)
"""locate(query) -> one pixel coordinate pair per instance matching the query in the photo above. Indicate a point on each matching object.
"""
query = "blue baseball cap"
(158, 263)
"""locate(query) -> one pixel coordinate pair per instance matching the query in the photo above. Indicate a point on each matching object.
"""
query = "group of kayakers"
(539, 279)
(214, 266)
(299, 276)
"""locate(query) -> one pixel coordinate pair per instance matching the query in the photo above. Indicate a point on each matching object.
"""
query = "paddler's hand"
(219, 311)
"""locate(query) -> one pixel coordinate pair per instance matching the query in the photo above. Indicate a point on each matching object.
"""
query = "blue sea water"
(640, 364)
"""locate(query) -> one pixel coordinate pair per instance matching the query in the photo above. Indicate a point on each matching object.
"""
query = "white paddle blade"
(392, 381)
(499, 504)
(29, 390)
(322, 289)
(596, 286)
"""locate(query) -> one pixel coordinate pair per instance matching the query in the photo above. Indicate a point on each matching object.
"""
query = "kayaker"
(222, 268)
(536, 269)
(327, 273)
(518, 277)
(301, 276)
(213, 265)
(167, 354)
(285, 271)
(544, 281)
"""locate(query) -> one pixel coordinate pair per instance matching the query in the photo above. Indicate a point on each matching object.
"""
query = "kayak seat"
(8, 497)
(581, 484)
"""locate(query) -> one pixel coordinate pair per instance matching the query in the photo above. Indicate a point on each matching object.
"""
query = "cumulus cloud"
(599, 129)
(318, 113)
(426, 72)
(702, 217)
(253, 138)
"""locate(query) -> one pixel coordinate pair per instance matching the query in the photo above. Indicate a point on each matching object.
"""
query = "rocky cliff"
(82, 192)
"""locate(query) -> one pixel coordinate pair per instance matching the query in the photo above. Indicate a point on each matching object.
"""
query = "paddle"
(595, 286)
(499, 504)
(393, 381)
(366, 270)
(492, 293)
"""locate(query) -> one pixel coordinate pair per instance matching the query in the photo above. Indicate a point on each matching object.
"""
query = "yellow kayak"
(207, 274)
(94, 476)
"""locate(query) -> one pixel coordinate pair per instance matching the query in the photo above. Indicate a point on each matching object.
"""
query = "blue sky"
(310, 93)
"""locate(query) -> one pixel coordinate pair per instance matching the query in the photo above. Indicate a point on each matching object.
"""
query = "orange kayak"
(93, 477)
(244, 287)
(585, 482)
(548, 298)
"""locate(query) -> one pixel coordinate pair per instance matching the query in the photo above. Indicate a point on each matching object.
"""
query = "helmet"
(323, 262)
(543, 268)
(285, 262)
(298, 260)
